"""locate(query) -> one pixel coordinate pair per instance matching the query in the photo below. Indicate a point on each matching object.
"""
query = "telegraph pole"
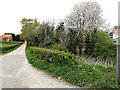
(118, 65)
(118, 49)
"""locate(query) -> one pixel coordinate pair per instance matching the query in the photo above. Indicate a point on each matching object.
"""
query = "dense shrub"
(55, 56)
(100, 44)
(104, 46)
(78, 74)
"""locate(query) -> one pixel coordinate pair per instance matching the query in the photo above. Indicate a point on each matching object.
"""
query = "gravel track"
(16, 72)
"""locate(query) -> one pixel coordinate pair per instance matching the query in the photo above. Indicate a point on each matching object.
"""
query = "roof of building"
(6, 35)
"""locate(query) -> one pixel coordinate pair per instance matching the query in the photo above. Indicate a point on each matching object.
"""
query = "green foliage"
(78, 73)
(87, 46)
(100, 44)
(97, 43)
(8, 33)
(16, 37)
(54, 56)
(4, 48)
(9, 46)
(55, 39)
(25, 23)
(74, 40)
(105, 46)
(40, 34)
(60, 47)
(116, 27)
(90, 41)
(30, 34)
(60, 32)
(8, 42)
(71, 40)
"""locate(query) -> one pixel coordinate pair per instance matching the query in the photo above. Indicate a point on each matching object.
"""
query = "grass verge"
(79, 74)
(8, 43)
(10, 50)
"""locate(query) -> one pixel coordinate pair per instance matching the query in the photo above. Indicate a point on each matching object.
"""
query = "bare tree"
(85, 16)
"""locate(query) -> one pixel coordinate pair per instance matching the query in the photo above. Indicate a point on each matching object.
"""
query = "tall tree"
(60, 34)
(30, 30)
(86, 16)
(71, 40)
(25, 22)
(90, 42)
(43, 34)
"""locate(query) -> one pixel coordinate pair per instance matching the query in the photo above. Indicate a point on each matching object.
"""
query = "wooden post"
(118, 50)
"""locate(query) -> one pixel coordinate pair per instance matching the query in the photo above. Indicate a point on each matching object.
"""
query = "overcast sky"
(12, 11)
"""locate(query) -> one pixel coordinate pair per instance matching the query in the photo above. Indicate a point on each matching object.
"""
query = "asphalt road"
(16, 72)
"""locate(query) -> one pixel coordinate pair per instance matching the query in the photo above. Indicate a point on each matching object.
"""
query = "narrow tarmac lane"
(16, 72)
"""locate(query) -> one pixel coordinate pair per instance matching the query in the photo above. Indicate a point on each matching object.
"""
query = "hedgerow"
(5, 48)
(8, 42)
(55, 56)
(67, 68)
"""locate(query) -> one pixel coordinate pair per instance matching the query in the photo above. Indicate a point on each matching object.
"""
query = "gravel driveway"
(16, 72)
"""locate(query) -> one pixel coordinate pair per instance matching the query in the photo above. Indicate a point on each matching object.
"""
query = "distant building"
(111, 34)
(0, 38)
(6, 37)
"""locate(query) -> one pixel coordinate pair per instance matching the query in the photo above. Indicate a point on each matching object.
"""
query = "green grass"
(80, 74)
(10, 50)
(7, 44)
(7, 47)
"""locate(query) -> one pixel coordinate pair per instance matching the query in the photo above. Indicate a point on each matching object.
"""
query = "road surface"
(16, 72)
